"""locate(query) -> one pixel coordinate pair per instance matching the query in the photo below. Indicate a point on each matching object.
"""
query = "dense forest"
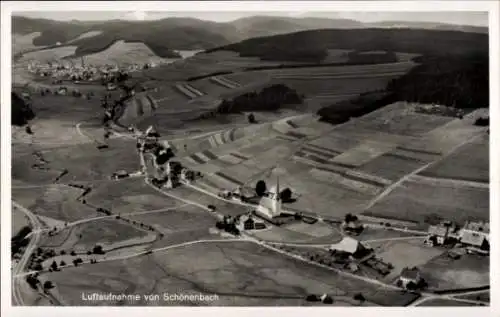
(456, 81)
(424, 42)
(459, 81)
(21, 111)
(270, 98)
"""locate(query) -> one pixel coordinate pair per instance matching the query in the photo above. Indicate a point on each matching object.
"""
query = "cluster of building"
(68, 70)
(168, 173)
(473, 236)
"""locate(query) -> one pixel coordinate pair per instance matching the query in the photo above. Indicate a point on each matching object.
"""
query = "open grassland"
(454, 133)
(128, 196)
(19, 220)
(124, 53)
(483, 296)
(240, 273)
(352, 71)
(398, 118)
(48, 55)
(87, 163)
(442, 302)
(108, 233)
(85, 35)
(416, 201)
(391, 167)
(300, 232)
(56, 201)
(181, 219)
(373, 233)
(209, 87)
(469, 163)
(444, 273)
(24, 42)
(403, 253)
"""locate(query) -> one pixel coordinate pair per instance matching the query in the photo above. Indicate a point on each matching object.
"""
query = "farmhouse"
(120, 174)
(475, 242)
(247, 222)
(410, 275)
(353, 226)
(270, 204)
(349, 246)
(437, 235)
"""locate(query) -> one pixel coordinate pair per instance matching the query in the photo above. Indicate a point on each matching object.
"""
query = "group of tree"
(20, 240)
(21, 110)
(285, 47)
(460, 81)
(227, 225)
(271, 98)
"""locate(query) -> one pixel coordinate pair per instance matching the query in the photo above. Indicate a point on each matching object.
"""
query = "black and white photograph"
(302, 158)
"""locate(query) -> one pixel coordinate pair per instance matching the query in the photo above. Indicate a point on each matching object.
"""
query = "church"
(270, 204)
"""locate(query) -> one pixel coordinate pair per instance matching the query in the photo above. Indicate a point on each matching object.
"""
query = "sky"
(465, 18)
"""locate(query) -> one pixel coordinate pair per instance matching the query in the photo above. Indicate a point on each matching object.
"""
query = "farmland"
(444, 273)
(275, 281)
(224, 114)
(416, 200)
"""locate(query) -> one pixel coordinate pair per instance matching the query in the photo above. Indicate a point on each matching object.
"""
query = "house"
(410, 275)
(249, 224)
(354, 226)
(120, 174)
(437, 235)
(475, 242)
(349, 246)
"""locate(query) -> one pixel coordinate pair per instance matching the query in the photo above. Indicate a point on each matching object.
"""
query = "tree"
(251, 118)
(359, 296)
(98, 249)
(411, 286)
(48, 285)
(53, 266)
(72, 253)
(260, 188)
(62, 263)
(286, 194)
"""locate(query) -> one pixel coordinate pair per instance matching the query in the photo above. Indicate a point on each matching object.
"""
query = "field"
(85, 35)
(483, 296)
(372, 234)
(444, 273)
(108, 233)
(240, 273)
(403, 253)
(416, 200)
(300, 232)
(441, 302)
(48, 55)
(24, 42)
(469, 163)
(58, 202)
(19, 220)
(124, 53)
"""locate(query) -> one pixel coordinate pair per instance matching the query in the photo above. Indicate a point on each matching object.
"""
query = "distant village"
(67, 70)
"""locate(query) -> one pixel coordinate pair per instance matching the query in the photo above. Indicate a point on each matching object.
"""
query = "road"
(20, 266)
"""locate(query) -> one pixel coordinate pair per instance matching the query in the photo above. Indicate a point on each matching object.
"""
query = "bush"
(98, 250)
(260, 188)
(482, 122)
(48, 285)
(286, 194)
(359, 297)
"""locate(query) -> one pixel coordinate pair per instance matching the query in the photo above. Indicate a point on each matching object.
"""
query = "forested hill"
(316, 42)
